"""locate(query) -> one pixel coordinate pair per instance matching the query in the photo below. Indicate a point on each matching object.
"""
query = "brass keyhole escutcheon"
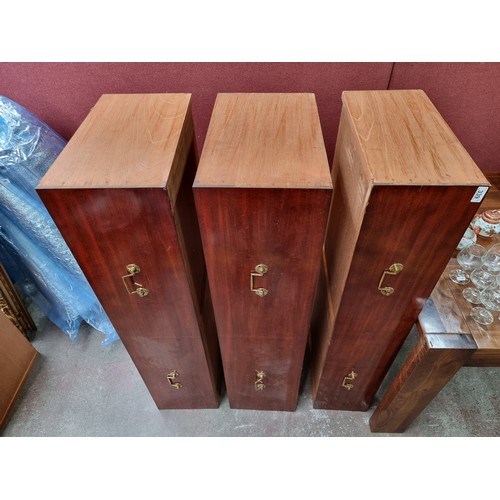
(394, 269)
(259, 383)
(171, 379)
(260, 270)
(349, 378)
(133, 270)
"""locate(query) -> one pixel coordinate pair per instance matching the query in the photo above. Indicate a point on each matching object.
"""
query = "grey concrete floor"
(117, 444)
(82, 388)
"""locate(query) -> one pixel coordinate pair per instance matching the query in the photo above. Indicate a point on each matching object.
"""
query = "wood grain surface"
(369, 327)
(242, 228)
(13, 306)
(127, 140)
(107, 229)
(148, 220)
(449, 339)
(447, 311)
(405, 140)
(426, 371)
(264, 140)
(454, 313)
(17, 357)
(262, 193)
(385, 210)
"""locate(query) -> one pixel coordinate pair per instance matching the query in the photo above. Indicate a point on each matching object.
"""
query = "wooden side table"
(449, 339)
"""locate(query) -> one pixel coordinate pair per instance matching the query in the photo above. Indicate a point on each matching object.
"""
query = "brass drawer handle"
(134, 269)
(260, 270)
(393, 270)
(171, 379)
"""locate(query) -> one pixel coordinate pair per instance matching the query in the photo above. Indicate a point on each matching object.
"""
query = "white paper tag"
(479, 194)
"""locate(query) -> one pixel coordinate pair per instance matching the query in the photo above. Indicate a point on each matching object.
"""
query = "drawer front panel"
(108, 229)
(262, 373)
(175, 371)
(17, 357)
(416, 227)
(405, 225)
(282, 229)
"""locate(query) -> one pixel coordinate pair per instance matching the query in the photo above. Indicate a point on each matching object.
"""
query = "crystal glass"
(491, 259)
(459, 276)
(472, 295)
(483, 279)
(469, 238)
(469, 258)
(490, 298)
(481, 315)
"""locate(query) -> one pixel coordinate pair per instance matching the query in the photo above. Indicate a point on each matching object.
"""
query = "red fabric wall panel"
(468, 97)
(466, 94)
(61, 94)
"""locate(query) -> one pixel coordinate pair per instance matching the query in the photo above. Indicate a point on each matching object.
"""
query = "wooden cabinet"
(17, 357)
(262, 193)
(405, 190)
(121, 195)
(12, 305)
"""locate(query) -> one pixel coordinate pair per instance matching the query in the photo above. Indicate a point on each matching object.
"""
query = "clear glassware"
(472, 295)
(469, 238)
(469, 258)
(490, 298)
(459, 276)
(481, 315)
(491, 259)
(483, 279)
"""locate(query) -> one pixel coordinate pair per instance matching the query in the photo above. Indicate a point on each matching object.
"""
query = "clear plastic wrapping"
(31, 247)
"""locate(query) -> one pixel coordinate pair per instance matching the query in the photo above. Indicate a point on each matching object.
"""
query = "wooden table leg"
(429, 367)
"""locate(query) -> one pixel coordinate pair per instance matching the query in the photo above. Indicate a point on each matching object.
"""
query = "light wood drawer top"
(406, 141)
(127, 140)
(264, 140)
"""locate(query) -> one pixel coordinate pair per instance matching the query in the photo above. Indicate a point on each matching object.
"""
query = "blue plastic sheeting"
(31, 247)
